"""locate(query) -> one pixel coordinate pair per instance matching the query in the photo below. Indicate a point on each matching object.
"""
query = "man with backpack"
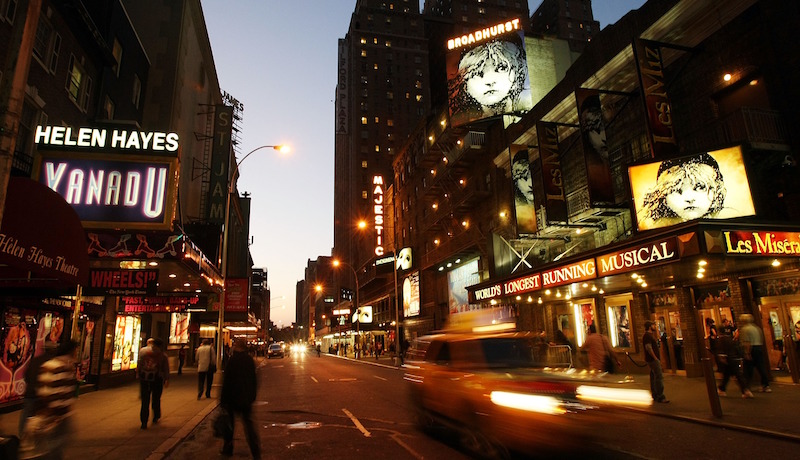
(152, 369)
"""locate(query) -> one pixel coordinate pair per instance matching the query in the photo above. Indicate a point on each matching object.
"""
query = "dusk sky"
(278, 58)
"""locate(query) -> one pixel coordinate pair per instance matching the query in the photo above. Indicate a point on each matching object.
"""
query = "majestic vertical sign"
(342, 90)
(220, 163)
(524, 203)
(657, 106)
(377, 211)
(555, 200)
(595, 147)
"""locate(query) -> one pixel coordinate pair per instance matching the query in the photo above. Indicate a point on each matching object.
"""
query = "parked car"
(500, 394)
(275, 350)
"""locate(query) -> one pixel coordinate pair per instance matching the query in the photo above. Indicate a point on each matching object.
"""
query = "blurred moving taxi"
(502, 390)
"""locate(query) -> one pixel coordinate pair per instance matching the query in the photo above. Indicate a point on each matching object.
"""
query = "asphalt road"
(332, 408)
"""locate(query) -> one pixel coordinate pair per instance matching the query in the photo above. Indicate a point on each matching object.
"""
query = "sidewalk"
(106, 422)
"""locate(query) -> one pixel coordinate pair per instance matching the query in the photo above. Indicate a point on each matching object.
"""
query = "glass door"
(670, 332)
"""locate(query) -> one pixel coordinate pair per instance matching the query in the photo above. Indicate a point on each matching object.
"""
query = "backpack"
(149, 369)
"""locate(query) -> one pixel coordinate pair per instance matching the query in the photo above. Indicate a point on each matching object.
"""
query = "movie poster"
(524, 203)
(411, 295)
(179, 328)
(126, 343)
(458, 280)
(17, 336)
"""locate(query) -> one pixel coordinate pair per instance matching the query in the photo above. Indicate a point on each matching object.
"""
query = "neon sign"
(483, 34)
(377, 209)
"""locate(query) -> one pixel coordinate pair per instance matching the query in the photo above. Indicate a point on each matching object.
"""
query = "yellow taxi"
(502, 390)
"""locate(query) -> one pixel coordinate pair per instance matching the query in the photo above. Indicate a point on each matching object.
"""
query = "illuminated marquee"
(638, 257)
(483, 34)
(64, 136)
(108, 190)
(749, 243)
(377, 209)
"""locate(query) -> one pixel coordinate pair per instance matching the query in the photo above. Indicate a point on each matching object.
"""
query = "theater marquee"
(113, 191)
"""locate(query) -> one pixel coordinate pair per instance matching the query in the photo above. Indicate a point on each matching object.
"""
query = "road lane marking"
(381, 378)
(342, 380)
(357, 423)
(315, 380)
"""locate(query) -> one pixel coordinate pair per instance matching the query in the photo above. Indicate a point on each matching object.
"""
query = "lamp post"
(336, 263)
(396, 314)
(225, 232)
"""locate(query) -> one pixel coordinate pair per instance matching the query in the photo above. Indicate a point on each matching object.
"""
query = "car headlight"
(528, 402)
(621, 396)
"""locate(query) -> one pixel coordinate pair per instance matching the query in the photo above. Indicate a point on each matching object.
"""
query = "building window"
(11, 11)
(389, 122)
(364, 79)
(363, 120)
(108, 108)
(364, 164)
(388, 43)
(363, 53)
(377, 148)
(418, 84)
(419, 97)
(364, 194)
(389, 95)
(137, 91)
(363, 41)
(78, 85)
(375, 66)
(116, 51)
(46, 45)
(377, 120)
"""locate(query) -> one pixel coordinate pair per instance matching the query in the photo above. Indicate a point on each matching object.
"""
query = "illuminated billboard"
(457, 281)
(411, 295)
(179, 328)
(524, 203)
(126, 343)
(487, 73)
(709, 185)
(112, 191)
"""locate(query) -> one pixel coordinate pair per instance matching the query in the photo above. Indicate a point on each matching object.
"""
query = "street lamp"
(231, 188)
(336, 263)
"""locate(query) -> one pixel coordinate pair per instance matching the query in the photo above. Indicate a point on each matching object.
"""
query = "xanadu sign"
(108, 189)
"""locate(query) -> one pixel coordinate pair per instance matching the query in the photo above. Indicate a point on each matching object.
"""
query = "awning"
(41, 238)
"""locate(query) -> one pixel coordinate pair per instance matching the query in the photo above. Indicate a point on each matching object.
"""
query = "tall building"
(570, 20)
(381, 93)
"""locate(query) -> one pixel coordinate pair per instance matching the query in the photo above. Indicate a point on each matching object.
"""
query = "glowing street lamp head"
(318, 288)
(283, 148)
(336, 262)
(362, 224)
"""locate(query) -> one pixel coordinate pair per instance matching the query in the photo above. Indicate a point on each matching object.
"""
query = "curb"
(724, 425)
(167, 446)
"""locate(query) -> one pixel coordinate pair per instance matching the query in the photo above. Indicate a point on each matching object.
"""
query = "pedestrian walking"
(651, 355)
(599, 351)
(755, 353)
(152, 369)
(205, 368)
(729, 362)
(181, 358)
(238, 394)
(47, 427)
